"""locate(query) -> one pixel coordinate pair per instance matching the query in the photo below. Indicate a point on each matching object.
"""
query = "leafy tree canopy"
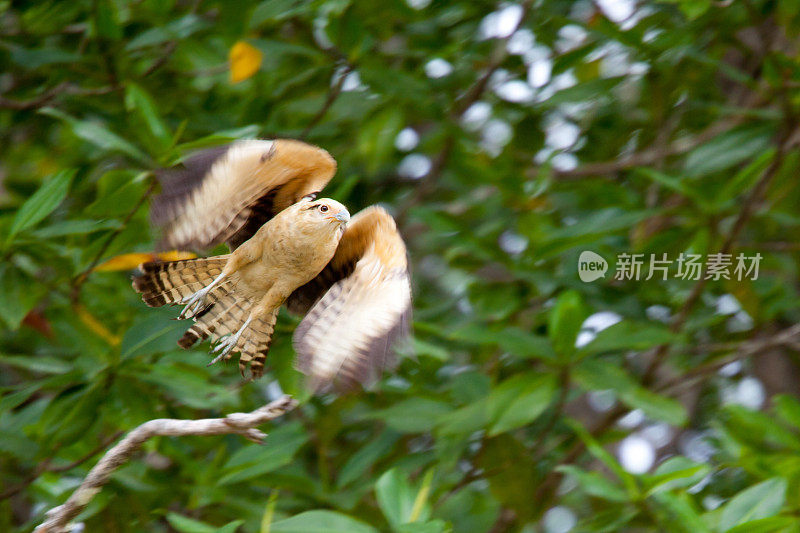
(507, 138)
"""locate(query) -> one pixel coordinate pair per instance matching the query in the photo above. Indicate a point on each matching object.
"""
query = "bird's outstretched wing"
(225, 194)
(357, 307)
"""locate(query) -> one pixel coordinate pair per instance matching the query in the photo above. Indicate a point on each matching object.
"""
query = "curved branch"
(243, 424)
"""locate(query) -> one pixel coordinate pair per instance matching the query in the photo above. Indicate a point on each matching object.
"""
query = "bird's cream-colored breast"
(294, 249)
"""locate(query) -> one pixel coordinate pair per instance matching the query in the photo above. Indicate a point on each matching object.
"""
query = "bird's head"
(324, 213)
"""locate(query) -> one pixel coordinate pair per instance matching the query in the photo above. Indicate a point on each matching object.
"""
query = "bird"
(347, 276)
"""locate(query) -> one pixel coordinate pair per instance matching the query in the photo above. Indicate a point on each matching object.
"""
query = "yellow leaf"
(96, 326)
(175, 255)
(124, 262)
(131, 261)
(245, 61)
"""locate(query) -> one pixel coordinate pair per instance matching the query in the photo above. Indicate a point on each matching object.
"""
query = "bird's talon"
(194, 303)
(216, 359)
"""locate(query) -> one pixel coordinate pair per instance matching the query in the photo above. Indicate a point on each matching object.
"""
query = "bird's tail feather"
(254, 343)
(163, 283)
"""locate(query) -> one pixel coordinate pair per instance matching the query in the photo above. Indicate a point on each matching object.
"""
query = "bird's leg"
(196, 302)
(246, 253)
(269, 303)
(228, 343)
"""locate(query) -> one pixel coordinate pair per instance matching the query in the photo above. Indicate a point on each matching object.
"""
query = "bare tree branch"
(243, 424)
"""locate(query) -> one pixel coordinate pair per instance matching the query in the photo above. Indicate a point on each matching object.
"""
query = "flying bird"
(347, 276)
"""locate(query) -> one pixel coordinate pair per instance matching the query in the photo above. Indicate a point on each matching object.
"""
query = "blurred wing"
(225, 194)
(357, 307)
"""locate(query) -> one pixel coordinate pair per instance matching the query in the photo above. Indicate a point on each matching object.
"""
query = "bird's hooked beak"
(342, 216)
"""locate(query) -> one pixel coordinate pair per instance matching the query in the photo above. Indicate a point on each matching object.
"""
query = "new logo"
(591, 266)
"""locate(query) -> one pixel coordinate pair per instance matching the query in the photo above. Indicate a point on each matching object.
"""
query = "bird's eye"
(323, 208)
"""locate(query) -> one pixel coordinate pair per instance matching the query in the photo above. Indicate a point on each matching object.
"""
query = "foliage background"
(662, 127)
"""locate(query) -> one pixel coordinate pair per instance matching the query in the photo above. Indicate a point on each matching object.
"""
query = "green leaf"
(116, 201)
(656, 406)
(190, 525)
(523, 344)
(728, 149)
(152, 333)
(693, 8)
(359, 462)
(757, 428)
(404, 416)
(629, 335)
(745, 178)
(254, 461)
(564, 323)
(38, 363)
(39, 57)
(520, 400)
(609, 520)
(676, 472)
(788, 408)
(137, 101)
(767, 525)
(598, 374)
(594, 483)
(433, 526)
(178, 29)
(395, 497)
(513, 403)
(107, 21)
(465, 420)
(681, 186)
(11, 400)
(759, 501)
(269, 512)
(97, 135)
(42, 202)
(73, 417)
(231, 527)
(18, 295)
(321, 522)
(75, 227)
(606, 458)
(376, 137)
(583, 91)
(676, 513)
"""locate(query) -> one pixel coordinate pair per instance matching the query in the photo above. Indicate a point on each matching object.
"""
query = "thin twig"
(46, 466)
(500, 54)
(649, 156)
(69, 88)
(169, 48)
(789, 140)
(244, 424)
(786, 144)
(47, 96)
(558, 409)
(81, 278)
(333, 94)
(787, 337)
(471, 96)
